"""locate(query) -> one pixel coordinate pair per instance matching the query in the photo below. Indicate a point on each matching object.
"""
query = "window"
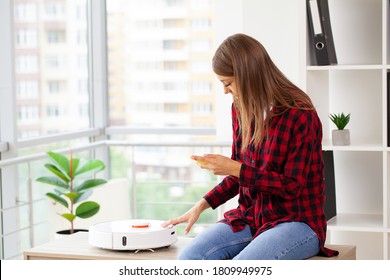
(26, 64)
(43, 95)
(163, 61)
(28, 114)
(201, 4)
(201, 24)
(27, 89)
(25, 12)
(159, 66)
(55, 36)
(51, 47)
(54, 86)
(26, 38)
(199, 87)
(155, 78)
(55, 11)
(55, 62)
(52, 111)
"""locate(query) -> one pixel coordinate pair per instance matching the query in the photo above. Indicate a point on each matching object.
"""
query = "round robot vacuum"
(131, 235)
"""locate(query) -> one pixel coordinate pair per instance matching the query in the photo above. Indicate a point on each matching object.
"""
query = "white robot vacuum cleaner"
(131, 235)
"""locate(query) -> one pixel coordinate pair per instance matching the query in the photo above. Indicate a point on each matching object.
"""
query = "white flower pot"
(340, 137)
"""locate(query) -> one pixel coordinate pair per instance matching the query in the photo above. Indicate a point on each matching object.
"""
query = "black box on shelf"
(330, 185)
(322, 47)
(388, 108)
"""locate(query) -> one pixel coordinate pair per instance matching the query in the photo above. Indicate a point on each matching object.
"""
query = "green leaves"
(61, 166)
(87, 209)
(69, 186)
(61, 163)
(84, 210)
(56, 171)
(91, 165)
(58, 198)
(69, 216)
(340, 120)
(53, 181)
(90, 184)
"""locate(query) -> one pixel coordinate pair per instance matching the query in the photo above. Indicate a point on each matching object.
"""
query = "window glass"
(159, 56)
(51, 68)
(160, 76)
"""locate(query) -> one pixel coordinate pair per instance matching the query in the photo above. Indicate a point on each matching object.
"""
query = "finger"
(188, 228)
(210, 156)
(176, 221)
(199, 159)
(166, 224)
(173, 221)
(196, 157)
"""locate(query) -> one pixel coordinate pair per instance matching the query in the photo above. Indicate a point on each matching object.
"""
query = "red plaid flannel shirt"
(281, 180)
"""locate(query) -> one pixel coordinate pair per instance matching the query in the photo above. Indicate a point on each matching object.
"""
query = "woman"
(276, 166)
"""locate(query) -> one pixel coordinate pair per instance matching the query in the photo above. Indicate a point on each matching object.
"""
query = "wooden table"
(76, 247)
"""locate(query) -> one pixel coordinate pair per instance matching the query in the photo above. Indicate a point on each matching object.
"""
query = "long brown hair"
(260, 84)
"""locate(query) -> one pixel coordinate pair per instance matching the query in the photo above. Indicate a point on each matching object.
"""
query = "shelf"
(356, 222)
(346, 67)
(358, 85)
(356, 145)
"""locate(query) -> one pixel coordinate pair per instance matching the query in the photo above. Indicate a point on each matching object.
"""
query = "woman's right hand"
(191, 216)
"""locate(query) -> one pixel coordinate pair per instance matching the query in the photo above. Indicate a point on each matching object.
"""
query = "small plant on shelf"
(340, 120)
(340, 136)
(71, 190)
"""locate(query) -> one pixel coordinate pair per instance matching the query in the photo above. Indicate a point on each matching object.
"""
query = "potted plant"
(340, 136)
(71, 188)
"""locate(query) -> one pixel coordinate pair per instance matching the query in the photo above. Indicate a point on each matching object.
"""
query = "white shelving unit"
(356, 85)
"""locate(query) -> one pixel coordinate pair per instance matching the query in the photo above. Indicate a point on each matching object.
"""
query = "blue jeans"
(286, 241)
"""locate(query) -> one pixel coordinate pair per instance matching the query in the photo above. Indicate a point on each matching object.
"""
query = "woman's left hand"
(218, 164)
